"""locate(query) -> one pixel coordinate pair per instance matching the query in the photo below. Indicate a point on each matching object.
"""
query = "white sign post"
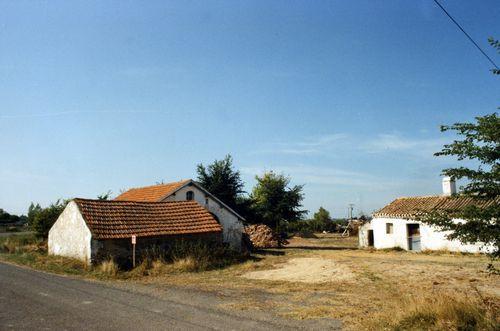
(134, 241)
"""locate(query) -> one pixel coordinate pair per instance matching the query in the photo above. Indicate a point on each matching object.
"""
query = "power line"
(466, 34)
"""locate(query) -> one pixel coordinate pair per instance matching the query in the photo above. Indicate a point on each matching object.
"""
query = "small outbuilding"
(190, 190)
(92, 230)
(396, 225)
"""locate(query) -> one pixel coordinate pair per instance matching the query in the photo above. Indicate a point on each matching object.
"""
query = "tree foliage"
(480, 144)
(44, 218)
(32, 211)
(321, 220)
(274, 201)
(222, 180)
(6, 218)
(496, 45)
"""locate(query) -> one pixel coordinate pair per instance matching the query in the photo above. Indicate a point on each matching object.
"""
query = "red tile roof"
(150, 193)
(122, 219)
(411, 207)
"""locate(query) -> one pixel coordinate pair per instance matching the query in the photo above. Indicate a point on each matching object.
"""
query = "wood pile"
(262, 236)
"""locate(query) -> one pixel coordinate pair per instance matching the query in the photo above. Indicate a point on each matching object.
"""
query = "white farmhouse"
(231, 222)
(395, 225)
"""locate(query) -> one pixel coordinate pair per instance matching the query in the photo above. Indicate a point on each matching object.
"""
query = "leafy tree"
(46, 217)
(321, 220)
(32, 211)
(6, 218)
(104, 196)
(222, 180)
(481, 145)
(274, 201)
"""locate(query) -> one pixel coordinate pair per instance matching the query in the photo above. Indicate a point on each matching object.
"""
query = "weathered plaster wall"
(430, 238)
(232, 227)
(363, 234)
(70, 236)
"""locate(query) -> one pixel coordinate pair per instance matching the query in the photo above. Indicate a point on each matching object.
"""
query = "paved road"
(40, 301)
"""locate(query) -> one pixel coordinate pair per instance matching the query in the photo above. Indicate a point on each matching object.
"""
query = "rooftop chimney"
(449, 186)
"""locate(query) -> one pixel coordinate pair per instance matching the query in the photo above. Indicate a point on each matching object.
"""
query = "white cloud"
(310, 145)
(390, 143)
(380, 144)
(304, 174)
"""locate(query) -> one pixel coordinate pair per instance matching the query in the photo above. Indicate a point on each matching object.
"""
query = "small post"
(134, 240)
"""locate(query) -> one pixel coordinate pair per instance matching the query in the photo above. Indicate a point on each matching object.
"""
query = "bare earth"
(307, 270)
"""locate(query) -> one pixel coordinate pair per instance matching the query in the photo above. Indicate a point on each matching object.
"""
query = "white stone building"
(94, 230)
(231, 222)
(395, 225)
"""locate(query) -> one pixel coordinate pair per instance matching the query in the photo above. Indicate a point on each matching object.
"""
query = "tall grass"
(22, 244)
(442, 312)
(185, 256)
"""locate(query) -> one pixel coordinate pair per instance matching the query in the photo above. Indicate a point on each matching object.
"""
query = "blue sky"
(346, 97)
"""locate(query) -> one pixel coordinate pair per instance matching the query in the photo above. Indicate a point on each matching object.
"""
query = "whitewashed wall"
(70, 236)
(232, 227)
(430, 238)
(363, 234)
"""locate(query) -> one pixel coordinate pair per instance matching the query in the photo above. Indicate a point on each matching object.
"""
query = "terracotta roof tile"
(411, 207)
(122, 219)
(150, 193)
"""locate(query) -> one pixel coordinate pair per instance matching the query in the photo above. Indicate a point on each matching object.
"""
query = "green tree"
(480, 143)
(46, 217)
(274, 201)
(32, 211)
(104, 196)
(321, 220)
(222, 180)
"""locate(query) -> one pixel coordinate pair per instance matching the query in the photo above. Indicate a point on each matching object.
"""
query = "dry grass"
(109, 268)
(389, 289)
(440, 312)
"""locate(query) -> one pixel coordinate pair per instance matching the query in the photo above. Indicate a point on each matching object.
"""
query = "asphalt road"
(32, 300)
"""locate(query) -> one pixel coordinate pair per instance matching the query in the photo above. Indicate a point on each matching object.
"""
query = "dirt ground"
(328, 277)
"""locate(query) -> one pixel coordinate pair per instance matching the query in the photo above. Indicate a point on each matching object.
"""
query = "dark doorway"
(371, 240)
(413, 237)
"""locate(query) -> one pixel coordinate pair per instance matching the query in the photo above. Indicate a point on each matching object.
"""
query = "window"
(206, 201)
(388, 228)
(189, 195)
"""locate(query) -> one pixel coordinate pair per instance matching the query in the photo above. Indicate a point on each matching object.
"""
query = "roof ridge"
(139, 202)
(162, 184)
(423, 197)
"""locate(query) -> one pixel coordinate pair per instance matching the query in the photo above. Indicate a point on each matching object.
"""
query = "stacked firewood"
(262, 236)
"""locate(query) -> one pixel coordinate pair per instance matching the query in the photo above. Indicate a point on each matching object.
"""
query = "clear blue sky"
(346, 97)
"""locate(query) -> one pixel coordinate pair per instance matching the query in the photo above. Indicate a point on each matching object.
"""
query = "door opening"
(413, 237)
(371, 239)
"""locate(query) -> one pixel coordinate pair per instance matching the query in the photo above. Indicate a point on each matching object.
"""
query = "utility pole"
(350, 209)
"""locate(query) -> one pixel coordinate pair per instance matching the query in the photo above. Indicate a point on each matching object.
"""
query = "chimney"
(449, 186)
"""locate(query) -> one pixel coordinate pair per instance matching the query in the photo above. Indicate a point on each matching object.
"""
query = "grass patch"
(441, 312)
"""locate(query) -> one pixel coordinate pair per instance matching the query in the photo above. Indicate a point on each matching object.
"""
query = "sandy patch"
(307, 270)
